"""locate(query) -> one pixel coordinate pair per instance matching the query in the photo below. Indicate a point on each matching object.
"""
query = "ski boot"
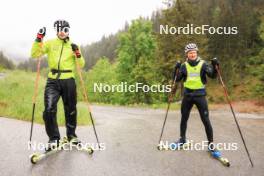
(179, 144)
(52, 145)
(217, 155)
(74, 140)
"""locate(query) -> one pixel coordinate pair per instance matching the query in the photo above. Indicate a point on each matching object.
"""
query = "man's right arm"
(39, 48)
(178, 74)
(181, 74)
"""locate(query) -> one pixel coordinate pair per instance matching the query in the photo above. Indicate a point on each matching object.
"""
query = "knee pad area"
(47, 114)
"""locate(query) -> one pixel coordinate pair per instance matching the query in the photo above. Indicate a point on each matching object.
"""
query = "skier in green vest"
(62, 55)
(194, 72)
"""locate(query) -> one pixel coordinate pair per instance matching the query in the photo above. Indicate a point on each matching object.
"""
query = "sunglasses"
(62, 29)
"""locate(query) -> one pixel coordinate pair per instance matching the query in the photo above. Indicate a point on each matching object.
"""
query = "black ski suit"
(196, 97)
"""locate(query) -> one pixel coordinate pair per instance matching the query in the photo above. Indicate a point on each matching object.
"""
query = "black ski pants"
(56, 88)
(201, 104)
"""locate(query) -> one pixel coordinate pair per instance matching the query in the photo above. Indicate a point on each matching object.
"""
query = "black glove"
(41, 34)
(178, 65)
(76, 50)
(215, 62)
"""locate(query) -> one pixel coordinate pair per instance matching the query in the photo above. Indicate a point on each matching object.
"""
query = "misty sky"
(89, 20)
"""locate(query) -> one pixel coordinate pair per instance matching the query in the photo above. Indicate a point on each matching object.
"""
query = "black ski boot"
(74, 140)
(178, 144)
(52, 145)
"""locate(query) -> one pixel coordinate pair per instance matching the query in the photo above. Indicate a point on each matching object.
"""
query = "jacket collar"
(194, 62)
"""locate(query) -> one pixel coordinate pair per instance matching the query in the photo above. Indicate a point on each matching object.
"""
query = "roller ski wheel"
(218, 156)
(159, 147)
(89, 150)
(34, 158)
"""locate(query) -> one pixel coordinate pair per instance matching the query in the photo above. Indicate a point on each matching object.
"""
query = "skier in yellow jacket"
(62, 54)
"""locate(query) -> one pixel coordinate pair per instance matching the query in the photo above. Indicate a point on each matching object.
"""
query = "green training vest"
(194, 80)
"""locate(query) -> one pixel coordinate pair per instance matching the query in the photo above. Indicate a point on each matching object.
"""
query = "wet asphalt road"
(131, 136)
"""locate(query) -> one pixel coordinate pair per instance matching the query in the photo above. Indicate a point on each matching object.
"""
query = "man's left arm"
(210, 69)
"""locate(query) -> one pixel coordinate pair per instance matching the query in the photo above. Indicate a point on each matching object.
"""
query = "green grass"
(16, 93)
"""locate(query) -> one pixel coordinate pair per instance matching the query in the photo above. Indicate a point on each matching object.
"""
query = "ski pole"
(86, 100)
(232, 110)
(34, 99)
(169, 103)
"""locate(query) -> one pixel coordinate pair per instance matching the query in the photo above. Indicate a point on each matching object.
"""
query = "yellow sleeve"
(39, 49)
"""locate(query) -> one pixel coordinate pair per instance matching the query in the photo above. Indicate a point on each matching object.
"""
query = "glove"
(178, 65)
(215, 62)
(41, 34)
(76, 50)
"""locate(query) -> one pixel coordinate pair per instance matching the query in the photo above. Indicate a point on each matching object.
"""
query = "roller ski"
(53, 147)
(75, 142)
(217, 155)
(178, 145)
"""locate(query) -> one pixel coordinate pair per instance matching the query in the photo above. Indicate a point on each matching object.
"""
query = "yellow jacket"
(60, 57)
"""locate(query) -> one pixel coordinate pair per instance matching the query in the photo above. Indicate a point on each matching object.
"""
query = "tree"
(233, 50)
(106, 47)
(5, 62)
(103, 73)
(135, 58)
(171, 46)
